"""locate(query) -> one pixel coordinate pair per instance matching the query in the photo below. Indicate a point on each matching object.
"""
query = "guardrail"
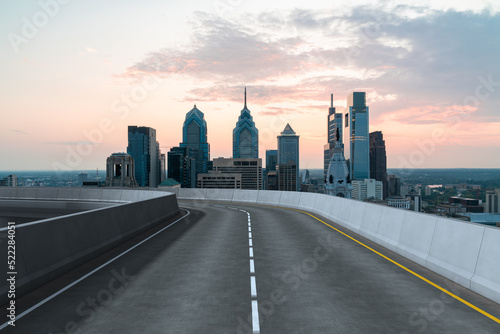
(465, 253)
(48, 248)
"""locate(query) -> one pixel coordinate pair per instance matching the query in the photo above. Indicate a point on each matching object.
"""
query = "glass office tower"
(142, 146)
(356, 136)
(245, 135)
(194, 136)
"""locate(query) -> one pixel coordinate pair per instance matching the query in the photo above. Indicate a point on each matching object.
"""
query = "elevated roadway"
(234, 268)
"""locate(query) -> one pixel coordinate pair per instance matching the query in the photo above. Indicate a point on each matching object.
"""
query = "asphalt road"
(195, 277)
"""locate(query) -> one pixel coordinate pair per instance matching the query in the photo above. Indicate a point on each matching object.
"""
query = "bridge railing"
(466, 253)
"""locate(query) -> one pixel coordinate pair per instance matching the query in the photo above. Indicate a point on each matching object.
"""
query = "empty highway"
(234, 268)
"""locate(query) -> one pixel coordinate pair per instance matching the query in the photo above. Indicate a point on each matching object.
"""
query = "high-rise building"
(356, 140)
(378, 159)
(194, 136)
(334, 123)
(245, 135)
(393, 186)
(120, 170)
(249, 168)
(271, 161)
(366, 189)
(492, 201)
(338, 182)
(182, 166)
(288, 154)
(143, 147)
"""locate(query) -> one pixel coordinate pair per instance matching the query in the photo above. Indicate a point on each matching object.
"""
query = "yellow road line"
(405, 268)
(451, 294)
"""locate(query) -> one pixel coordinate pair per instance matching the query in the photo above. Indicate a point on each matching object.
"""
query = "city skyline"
(70, 89)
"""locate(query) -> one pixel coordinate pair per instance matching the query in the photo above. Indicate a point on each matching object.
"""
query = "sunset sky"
(75, 74)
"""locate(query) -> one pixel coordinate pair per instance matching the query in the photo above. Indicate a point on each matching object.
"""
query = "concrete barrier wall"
(86, 194)
(463, 252)
(48, 248)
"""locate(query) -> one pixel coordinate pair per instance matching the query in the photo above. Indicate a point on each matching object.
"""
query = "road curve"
(196, 277)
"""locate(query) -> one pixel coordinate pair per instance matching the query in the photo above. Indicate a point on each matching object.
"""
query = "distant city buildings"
(82, 177)
(194, 136)
(378, 160)
(492, 201)
(334, 123)
(120, 170)
(470, 204)
(399, 202)
(393, 186)
(9, 181)
(356, 139)
(366, 189)
(250, 170)
(144, 148)
(245, 135)
(287, 168)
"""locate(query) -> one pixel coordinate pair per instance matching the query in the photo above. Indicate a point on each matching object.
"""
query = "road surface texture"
(221, 267)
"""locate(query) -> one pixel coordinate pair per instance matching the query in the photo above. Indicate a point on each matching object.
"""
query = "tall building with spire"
(338, 181)
(287, 169)
(334, 123)
(245, 135)
(194, 136)
(356, 138)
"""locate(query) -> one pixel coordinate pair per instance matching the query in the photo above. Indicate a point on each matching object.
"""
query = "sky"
(75, 74)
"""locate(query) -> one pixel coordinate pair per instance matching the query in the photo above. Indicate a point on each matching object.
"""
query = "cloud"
(90, 50)
(429, 114)
(21, 132)
(401, 56)
(74, 143)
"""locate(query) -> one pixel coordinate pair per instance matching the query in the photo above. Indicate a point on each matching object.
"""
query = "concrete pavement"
(194, 277)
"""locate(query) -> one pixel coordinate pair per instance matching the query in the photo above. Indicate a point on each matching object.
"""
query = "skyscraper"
(334, 123)
(142, 146)
(194, 136)
(288, 154)
(245, 135)
(356, 139)
(378, 159)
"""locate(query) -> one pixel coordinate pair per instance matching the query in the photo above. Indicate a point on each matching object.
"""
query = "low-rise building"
(219, 180)
(250, 170)
(399, 202)
(470, 204)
